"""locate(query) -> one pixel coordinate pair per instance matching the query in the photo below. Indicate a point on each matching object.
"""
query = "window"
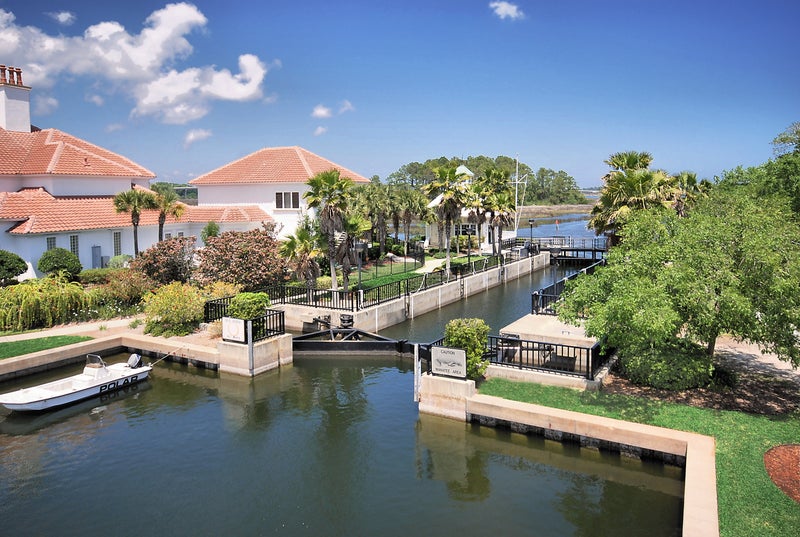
(287, 200)
(73, 244)
(51, 243)
(117, 238)
(180, 234)
(167, 236)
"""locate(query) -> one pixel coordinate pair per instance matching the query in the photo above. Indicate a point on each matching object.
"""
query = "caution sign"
(449, 362)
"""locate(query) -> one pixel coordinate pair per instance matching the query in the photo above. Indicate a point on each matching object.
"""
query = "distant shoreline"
(540, 211)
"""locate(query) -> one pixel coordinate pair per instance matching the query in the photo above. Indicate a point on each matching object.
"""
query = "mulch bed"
(783, 466)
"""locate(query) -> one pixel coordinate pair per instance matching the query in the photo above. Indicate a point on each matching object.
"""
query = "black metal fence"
(355, 300)
(542, 301)
(550, 357)
(270, 325)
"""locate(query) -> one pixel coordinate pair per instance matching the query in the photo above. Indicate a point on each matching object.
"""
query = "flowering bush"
(175, 309)
(170, 260)
(248, 258)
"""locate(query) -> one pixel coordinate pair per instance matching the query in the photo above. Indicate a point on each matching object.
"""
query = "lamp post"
(360, 247)
(469, 246)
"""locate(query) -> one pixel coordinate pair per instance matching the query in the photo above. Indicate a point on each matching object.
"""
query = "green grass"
(749, 503)
(18, 348)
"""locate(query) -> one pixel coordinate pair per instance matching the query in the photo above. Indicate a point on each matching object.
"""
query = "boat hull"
(73, 389)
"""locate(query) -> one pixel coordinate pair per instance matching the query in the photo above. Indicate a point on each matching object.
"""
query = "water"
(326, 447)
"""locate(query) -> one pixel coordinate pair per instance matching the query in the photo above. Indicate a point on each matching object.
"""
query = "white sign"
(233, 329)
(450, 362)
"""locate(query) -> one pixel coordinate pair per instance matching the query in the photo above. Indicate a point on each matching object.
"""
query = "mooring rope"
(167, 355)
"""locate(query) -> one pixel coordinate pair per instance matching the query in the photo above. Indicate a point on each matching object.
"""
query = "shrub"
(249, 258)
(125, 287)
(221, 290)
(59, 260)
(211, 230)
(470, 335)
(170, 260)
(175, 309)
(248, 305)
(95, 276)
(42, 303)
(120, 261)
(677, 365)
(11, 266)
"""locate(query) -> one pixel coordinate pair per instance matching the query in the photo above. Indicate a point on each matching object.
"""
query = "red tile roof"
(53, 152)
(34, 210)
(274, 165)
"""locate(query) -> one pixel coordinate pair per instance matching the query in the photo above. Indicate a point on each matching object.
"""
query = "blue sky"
(185, 88)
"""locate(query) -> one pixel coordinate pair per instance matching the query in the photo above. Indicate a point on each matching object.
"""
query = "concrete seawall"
(378, 317)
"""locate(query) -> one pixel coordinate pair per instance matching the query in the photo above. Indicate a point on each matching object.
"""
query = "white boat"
(97, 378)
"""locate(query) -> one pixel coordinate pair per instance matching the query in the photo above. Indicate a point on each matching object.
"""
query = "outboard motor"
(134, 361)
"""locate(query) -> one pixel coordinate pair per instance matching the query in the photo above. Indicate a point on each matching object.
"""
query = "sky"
(185, 88)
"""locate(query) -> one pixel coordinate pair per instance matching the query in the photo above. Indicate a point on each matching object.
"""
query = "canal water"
(323, 447)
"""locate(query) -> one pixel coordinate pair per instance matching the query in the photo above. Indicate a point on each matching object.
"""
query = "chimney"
(15, 100)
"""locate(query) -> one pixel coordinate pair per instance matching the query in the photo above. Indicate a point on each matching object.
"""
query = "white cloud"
(95, 99)
(319, 131)
(507, 10)
(44, 105)
(64, 18)
(195, 135)
(346, 106)
(140, 66)
(321, 112)
(114, 127)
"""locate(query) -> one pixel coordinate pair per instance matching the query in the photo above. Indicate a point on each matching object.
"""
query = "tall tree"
(629, 186)
(354, 225)
(788, 141)
(451, 194)
(412, 204)
(168, 204)
(302, 251)
(134, 201)
(329, 194)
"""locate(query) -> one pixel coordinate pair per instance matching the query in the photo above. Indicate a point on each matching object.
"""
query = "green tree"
(302, 252)
(354, 225)
(11, 266)
(788, 141)
(329, 194)
(413, 203)
(134, 201)
(731, 266)
(450, 192)
(167, 204)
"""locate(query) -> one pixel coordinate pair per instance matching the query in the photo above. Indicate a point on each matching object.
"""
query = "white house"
(57, 190)
(274, 178)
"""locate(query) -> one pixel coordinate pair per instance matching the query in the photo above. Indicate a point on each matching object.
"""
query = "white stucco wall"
(262, 195)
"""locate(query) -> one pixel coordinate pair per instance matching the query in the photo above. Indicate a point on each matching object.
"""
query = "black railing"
(270, 325)
(354, 300)
(550, 357)
(542, 301)
(571, 243)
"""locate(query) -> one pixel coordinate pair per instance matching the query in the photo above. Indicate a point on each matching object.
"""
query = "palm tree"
(168, 204)
(629, 160)
(451, 194)
(493, 181)
(502, 207)
(412, 203)
(135, 201)
(329, 192)
(627, 191)
(373, 201)
(354, 226)
(689, 190)
(302, 251)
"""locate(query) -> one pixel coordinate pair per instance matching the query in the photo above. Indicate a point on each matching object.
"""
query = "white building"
(274, 178)
(57, 190)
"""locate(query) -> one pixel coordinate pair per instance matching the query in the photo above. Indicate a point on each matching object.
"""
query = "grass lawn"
(18, 348)
(749, 502)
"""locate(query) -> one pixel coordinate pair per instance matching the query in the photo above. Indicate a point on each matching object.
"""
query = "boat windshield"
(93, 360)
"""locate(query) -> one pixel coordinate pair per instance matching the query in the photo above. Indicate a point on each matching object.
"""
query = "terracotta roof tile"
(34, 210)
(274, 165)
(53, 152)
